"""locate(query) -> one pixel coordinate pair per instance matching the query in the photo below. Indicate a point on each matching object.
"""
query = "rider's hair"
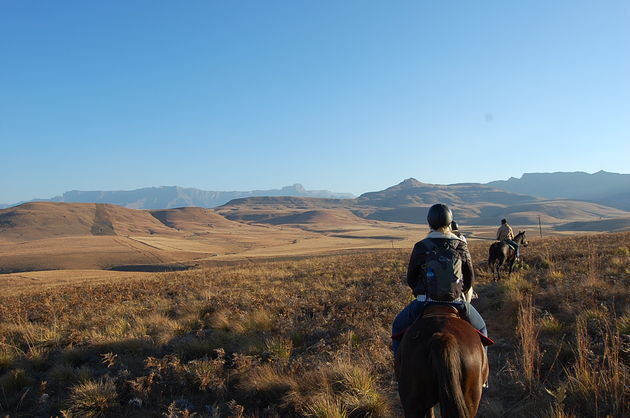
(443, 229)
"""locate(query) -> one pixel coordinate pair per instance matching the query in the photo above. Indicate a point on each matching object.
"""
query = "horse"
(441, 360)
(501, 253)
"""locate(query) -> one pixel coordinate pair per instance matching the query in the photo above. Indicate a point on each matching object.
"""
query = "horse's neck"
(518, 239)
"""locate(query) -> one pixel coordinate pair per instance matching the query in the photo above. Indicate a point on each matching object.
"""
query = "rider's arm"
(467, 270)
(415, 265)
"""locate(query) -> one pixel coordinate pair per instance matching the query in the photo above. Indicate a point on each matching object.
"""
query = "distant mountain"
(609, 189)
(411, 192)
(167, 197)
(409, 201)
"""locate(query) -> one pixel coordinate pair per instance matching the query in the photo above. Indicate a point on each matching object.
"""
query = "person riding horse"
(505, 233)
(441, 358)
(439, 219)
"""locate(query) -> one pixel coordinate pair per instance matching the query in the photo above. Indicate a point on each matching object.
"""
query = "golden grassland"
(310, 337)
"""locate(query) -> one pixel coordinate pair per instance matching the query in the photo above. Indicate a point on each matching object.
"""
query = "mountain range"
(167, 197)
(603, 188)
(409, 201)
(609, 189)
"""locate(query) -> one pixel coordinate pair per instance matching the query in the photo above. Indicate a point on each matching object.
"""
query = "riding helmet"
(503, 221)
(439, 216)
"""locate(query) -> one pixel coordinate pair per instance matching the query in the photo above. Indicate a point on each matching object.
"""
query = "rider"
(455, 230)
(505, 233)
(439, 219)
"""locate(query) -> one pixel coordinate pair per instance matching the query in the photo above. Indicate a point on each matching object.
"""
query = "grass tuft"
(93, 398)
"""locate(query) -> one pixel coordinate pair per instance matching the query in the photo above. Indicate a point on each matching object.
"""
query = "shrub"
(93, 398)
(279, 347)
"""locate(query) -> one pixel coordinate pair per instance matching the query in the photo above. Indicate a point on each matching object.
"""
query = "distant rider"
(505, 233)
(455, 230)
(439, 219)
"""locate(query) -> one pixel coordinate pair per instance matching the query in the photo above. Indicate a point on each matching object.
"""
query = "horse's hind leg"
(493, 269)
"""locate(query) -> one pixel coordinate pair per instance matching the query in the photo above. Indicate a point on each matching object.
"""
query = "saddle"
(448, 311)
(440, 311)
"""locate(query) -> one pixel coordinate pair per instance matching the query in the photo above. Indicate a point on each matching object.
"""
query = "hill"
(265, 209)
(611, 189)
(38, 220)
(609, 225)
(192, 219)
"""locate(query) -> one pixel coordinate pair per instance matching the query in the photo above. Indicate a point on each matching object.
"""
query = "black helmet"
(454, 226)
(503, 221)
(439, 216)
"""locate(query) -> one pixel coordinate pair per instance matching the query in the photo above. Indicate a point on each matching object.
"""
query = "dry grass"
(310, 337)
(529, 354)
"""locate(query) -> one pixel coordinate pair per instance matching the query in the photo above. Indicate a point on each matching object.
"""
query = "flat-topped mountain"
(610, 189)
(167, 197)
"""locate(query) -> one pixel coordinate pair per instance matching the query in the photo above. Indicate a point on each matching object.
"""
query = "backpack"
(444, 278)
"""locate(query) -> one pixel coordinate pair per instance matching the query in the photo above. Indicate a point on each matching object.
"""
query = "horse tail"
(445, 357)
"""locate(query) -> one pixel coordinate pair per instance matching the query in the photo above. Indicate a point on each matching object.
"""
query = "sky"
(348, 96)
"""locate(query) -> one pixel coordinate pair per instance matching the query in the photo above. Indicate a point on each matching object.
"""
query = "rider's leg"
(404, 320)
(475, 319)
(515, 246)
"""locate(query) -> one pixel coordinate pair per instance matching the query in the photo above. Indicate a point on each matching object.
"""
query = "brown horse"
(501, 253)
(441, 359)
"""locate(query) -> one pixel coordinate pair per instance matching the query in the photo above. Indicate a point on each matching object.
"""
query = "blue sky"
(350, 96)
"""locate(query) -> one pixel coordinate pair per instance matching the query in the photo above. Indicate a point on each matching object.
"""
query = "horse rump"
(446, 362)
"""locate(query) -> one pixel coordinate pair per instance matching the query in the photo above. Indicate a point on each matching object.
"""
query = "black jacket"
(416, 271)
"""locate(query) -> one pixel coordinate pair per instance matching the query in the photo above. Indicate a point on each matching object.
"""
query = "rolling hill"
(38, 220)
